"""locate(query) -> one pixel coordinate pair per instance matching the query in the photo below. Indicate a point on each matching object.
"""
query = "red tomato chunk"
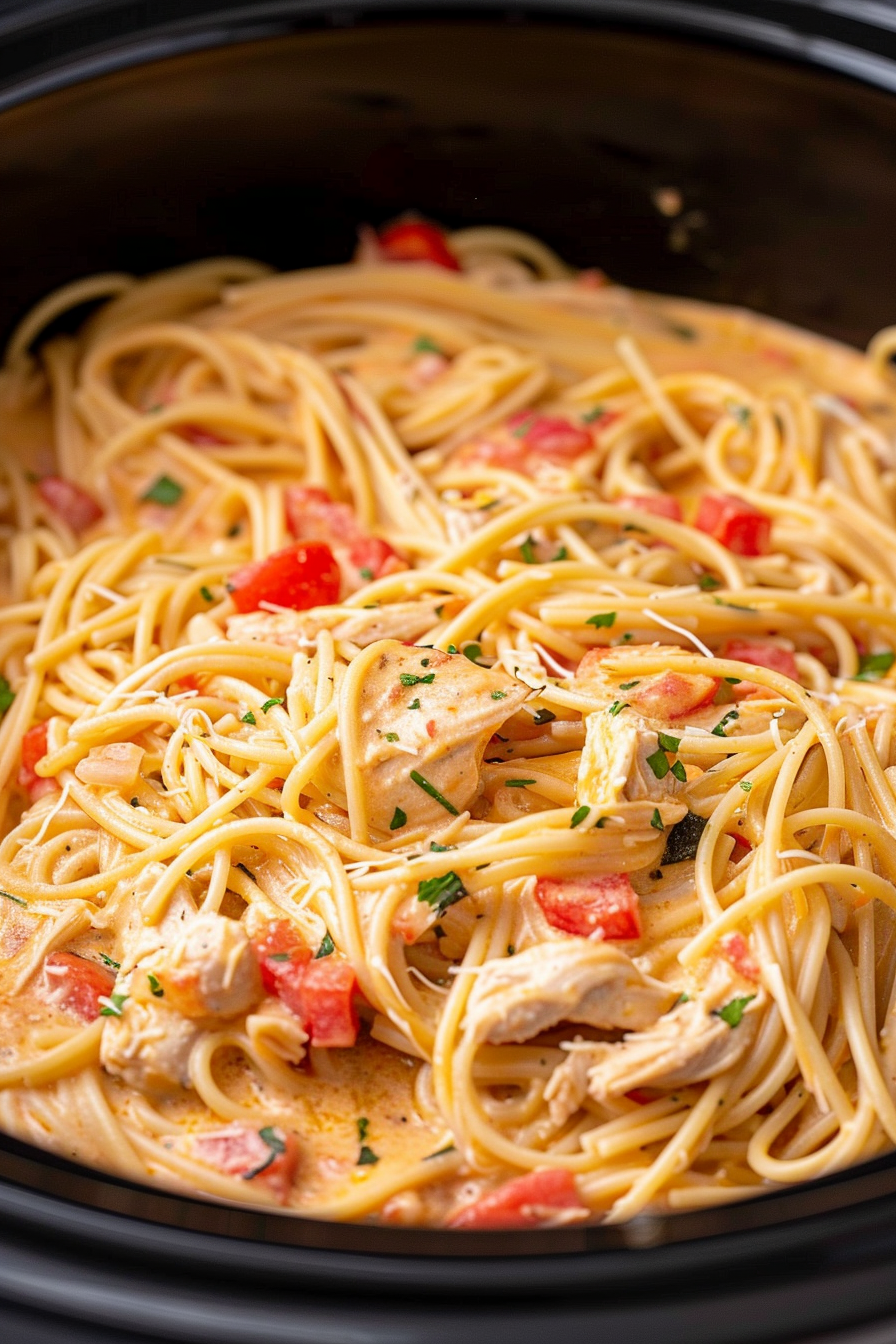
(301, 576)
(320, 993)
(735, 523)
(415, 240)
(661, 506)
(69, 502)
(526, 1201)
(34, 749)
(593, 907)
(735, 950)
(75, 985)
(269, 1156)
(759, 654)
(550, 436)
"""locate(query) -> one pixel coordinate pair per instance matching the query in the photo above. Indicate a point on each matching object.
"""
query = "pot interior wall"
(279, 148)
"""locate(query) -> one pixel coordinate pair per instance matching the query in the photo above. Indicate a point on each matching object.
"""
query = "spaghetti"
(448, 751)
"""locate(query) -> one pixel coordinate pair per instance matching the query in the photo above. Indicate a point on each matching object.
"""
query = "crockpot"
(138, 135)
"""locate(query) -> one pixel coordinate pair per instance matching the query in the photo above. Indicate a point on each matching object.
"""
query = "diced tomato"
(269, 1156)
(325, 1003)
(279, 947)
(69, 502)
(735, 523)
(312, 515)
(759, 654)
(415, 240)
(741, 843)
(639, 1096)
(75, 985)
(526, 1201)
(593, 907)
(373, 558)
(550, 436)
(670, 695)
(200, 435)
(661, 506)
(735, 949)
(34, 749)
(301, 576)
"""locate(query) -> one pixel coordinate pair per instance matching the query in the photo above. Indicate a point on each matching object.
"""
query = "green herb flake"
(601, 822)
(391, 737)
(682, 998)
(602, 620)
(411, 679)
(366, 573)
(163, 491)
(544, 716)
(499, 695)
(415, 704)
(594, 414)
(449, 1148)
(248, 717)
(154, 987)
(659, 763)
(511, 950)
(473, 652)
(279, 956)
(523, 428)
(719, 730)
(733, 681)
(326, 949)
(436, 848)
(113, 1005)
(617, 707)
(708, 582)
(679, 772)
(108, 961)
(425, 345)
(518, 783)
(746, 785)
(733, 1011)
(742, 414)
(734, 606)
(579, 816)
(683, 839)
(873, 666)
(275, 1145)
(668, 743)
(527, 551)
(272, 703)
(206, 594)
(627, 685)
(424, 784)
(656, 820)
(7, 696)
(399, 819)
(16, 900)
(440, 892)
(562, 554)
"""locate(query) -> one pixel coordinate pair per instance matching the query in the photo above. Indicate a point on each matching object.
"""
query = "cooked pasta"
(448, 753)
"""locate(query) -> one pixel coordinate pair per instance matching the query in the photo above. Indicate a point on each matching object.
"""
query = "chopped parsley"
(518, 783)
(424, 784)
(617, 707)
(113, 1006)
(742, 414)
(578, 816)
(116, 965)
(679, 772)
(7, 695)
(873, 666)
(656, 820)
(276, 1147)
(668, 743)
(206, 594)
(436, 848)
(659, 763)
(440, 892)
(415, 704)
(602, 620)
(499, 695)
(367, 1157)
(523, 429)
(544, 716)
(270, 704)
(734, 606)
(473, 652)
(746, 785)
(627, 685)
(425, 345)
(16, 900)
(248, 717)
(708, 582)
(391, 737)
(562, 554)
(594, 414)
(163, 491)
(154, 987)
(326, 949)
(684, 839)
(411, 679)
(733, 1011)
(449, 1148)
(719, 730)
(527, 551)
(399, 819)
(601, 822)
(366, 573)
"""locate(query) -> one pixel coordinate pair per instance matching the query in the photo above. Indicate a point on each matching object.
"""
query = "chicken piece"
(298, 630)
(567, 980)
(622, 762)
(210, 971)
(426, 714)
(148, 1046)
(690, 1044)
(125, 912)
(660, 697)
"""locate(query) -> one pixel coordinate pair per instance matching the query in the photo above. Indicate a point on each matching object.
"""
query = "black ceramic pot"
(139, 135)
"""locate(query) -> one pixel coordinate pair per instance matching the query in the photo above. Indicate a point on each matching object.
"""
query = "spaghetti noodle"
(448, 751)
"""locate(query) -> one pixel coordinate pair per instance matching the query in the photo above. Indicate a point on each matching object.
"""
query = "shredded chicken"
(298, 630)
(690, 1044)
(567, 980)
(149, 1046)
(615, 766)
(211, 971)
(433, 714)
